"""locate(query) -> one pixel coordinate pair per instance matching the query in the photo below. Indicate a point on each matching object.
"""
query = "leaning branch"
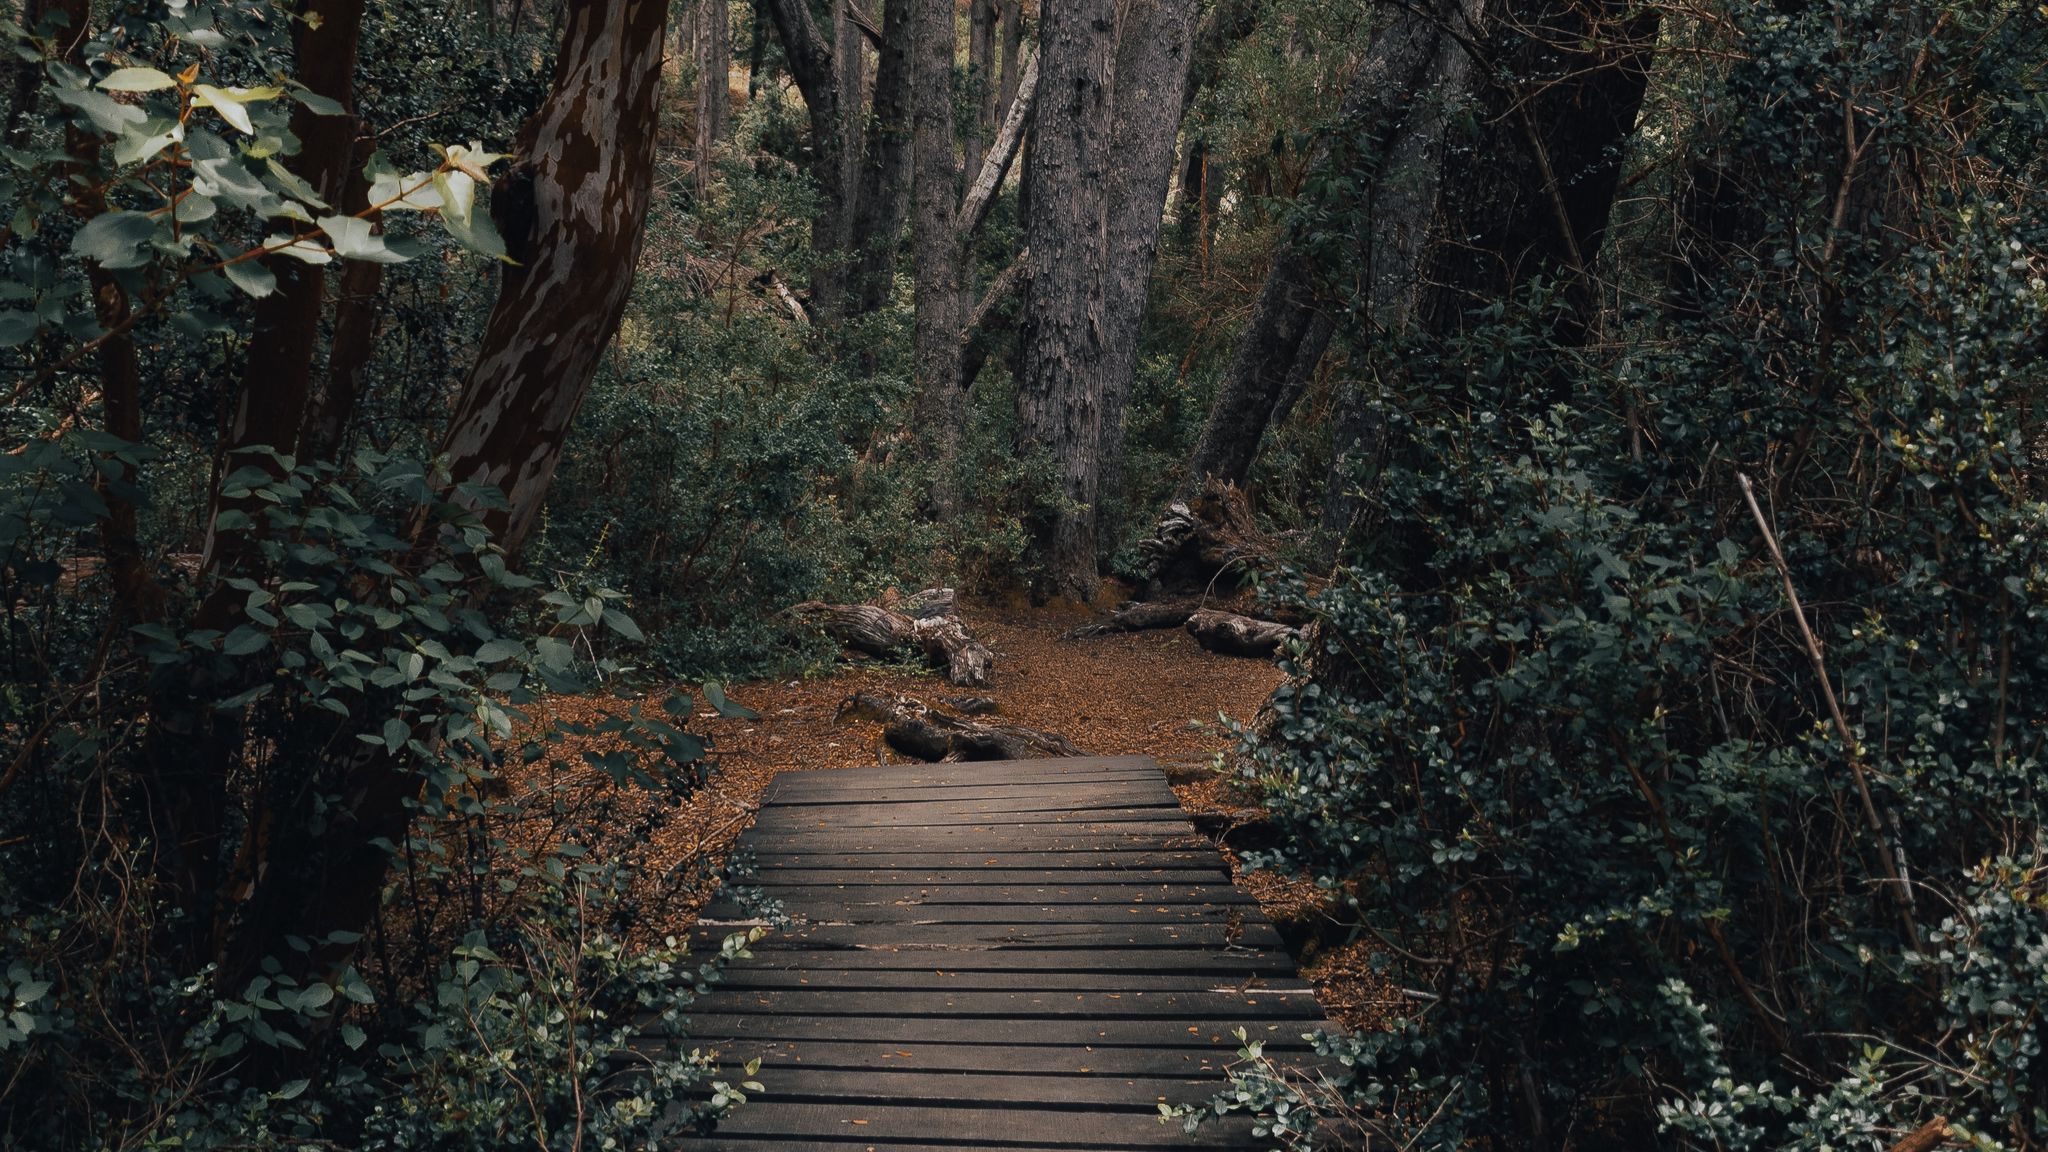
(1850, 749)
(981, 195)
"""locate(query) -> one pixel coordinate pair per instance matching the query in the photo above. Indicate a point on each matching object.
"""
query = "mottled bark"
(572, 212)
(851, 72)
(1155, 44)
(1393, 74)
(713, 26)
(936, 248)
(885, 166)
(1059, 396)
(813, 66)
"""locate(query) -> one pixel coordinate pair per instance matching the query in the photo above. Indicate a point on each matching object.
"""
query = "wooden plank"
(1107, 917)
(808, 821)
(898, 877)
(1002, 980)
(768, 860)
(1146, 788)
(1143, 1094)
(885, 1056)
(942, 939)
(1156, 837)
(1060, 800)
(715, 1028)
(897, 775)
(971, 1127)
(946, 1003)
(1111, 892)
(1240, 964)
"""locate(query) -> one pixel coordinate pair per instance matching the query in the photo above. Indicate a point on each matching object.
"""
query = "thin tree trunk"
(851, 70)
(714, 77)
(1013, 48)
(1155, 44)
(885, 167)
(1059, 396)
(982, 79)
(813, 64)
(357, 307)
(1395, 72)
(936, 247)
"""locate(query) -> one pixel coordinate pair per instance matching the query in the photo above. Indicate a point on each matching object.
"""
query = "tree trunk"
(850, 63)
(812, 63)
(572, 214)
(936, 248)
(356, 309)
(1155, 44)
(1059, 395)
(1013, 48)
(1232, 635)
(982, 80)
(885, 167)
(714, 77)
(1396, 71)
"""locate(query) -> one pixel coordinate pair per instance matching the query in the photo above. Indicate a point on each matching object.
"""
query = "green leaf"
(477, 234)
(228, 102)
(497, 650)
(623, 624)
(315, 103)
(107, 114)
(17, 327)
(251, 277)
(395, 734)
(290, 1091)
(352, 1036)
(305, 250)
(714, 695)
(137, 80)
(353, 240)
(115, 239)
(244, 640)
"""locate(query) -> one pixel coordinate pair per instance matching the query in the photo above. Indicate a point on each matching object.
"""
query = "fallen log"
(926, 627)
(1138, 616)
(1233, 635)
(916, 729)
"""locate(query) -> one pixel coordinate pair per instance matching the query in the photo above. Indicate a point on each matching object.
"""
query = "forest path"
(1021, 954)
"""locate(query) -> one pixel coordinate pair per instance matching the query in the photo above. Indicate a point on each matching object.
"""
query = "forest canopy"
(1633, 403)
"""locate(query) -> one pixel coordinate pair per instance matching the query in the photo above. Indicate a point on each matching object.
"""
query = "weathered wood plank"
(717, 1028)
(1003, 877)
(1003, 980)
(1239, 964)
(942, 938)
(1109, 917)
(767, 859)
(969, 1127)
(909, 1004)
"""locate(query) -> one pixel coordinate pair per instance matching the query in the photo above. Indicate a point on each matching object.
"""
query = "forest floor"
(1153, 693)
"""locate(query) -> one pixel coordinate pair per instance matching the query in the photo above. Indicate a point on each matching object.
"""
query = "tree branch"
(981, 195)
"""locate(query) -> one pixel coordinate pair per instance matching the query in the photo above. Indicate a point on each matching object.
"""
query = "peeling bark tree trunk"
(812, 64)
(936, 247)
(885, 167)
(1155, 46)
(1059, 397)
(714, 77)
(572, 214)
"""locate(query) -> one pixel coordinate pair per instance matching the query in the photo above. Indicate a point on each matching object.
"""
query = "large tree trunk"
(1013, 49)
(572, 214)
(936, 246)
(1155, 45)
(813, 64)
(1059, 398)
(714, 77)
(885, 167)
(850, 69)
(1385, 85)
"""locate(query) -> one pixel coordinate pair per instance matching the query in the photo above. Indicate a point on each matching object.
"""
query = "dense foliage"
(1559, 744)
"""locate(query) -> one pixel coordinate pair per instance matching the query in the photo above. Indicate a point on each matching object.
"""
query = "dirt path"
(1153, 693)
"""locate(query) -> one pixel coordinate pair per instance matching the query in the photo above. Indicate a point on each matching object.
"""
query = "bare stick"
(1849, 747)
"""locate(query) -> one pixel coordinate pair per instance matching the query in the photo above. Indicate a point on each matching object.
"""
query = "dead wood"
(1234, 635)
(1198, 540)
(926, 625)
(1139, 616)
(1926, 1138)
(914, 728)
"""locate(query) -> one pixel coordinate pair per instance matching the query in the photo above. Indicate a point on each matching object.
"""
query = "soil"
(1153, 693)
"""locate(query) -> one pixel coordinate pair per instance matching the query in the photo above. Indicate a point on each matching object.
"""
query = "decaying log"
(1197, 540)
(1925, 1138)
(946, 642)
(916, 729)
(1234, 635)
(1138, 616)
(926, 625)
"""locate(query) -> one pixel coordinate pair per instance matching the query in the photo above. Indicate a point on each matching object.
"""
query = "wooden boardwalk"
(1026, 955)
